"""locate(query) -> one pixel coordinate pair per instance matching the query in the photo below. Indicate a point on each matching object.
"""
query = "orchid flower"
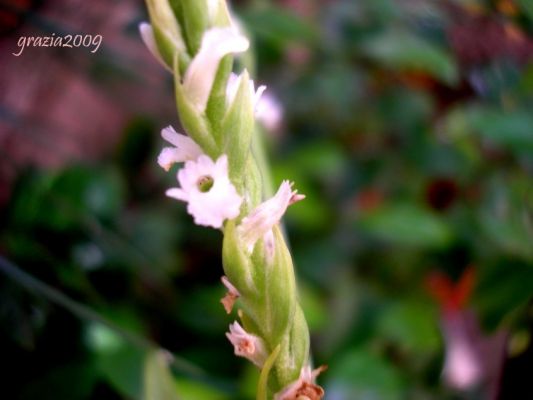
(205, 186)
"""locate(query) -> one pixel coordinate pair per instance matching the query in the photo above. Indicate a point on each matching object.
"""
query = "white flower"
(231, 296)
(304, 387)
(200, 75)
(185, 149)
(232, 88)
(247, 345)
(206, 187)
(261, 220)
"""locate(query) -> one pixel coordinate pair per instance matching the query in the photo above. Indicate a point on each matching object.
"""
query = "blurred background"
(407, 123)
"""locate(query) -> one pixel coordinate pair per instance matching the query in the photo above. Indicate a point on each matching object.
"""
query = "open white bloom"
(231, 296)
(247, 345)
(205, 186)
(234, 82)
(185, 149)
(304, 388)
(260, 221)
(200, 75)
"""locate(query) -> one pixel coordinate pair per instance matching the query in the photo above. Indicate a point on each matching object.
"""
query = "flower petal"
(147, 35)
(261, 220)
(199, 78)
(185, 148)
(247, 345)
(219, 202)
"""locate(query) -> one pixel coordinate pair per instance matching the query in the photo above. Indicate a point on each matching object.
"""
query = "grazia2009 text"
(70, 41)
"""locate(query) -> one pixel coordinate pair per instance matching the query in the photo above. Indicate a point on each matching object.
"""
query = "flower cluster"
(220, 181)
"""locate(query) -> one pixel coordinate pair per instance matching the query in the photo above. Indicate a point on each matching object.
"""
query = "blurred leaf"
(61, 201)
(512, 129)
(119, 363)
(495, 80)
(313, 307)
(99, 192)
(202, 312)
(137, 144)
(502, 289)
(359, 374)
(159, 383)
(412, 325)
(153, 233)
(527, 7)
(191, 390)
(278, 26)
(403, 51)
(407, 225)
(503, 215)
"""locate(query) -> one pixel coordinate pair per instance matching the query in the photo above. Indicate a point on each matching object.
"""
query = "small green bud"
(195, 21)
(238, 125)
(237, 265)
(279, 301)
(166, 30)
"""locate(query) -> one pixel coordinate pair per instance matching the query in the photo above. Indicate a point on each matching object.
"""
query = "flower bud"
(246, 345)
(304, 387)
(231, 296)
(166, 31)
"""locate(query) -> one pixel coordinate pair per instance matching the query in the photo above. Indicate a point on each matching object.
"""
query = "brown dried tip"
(231, 296)
(304, 388)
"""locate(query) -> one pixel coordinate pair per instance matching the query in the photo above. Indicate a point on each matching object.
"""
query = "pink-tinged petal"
(269, 112)
(261, 220)
(177, 193)
(304, 387)
(247, 345)
(168, 157)
(185, 148)
(462, 366)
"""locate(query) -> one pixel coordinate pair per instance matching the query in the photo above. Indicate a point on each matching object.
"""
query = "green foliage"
(406, 225)
(402, 51)
(415, 157)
